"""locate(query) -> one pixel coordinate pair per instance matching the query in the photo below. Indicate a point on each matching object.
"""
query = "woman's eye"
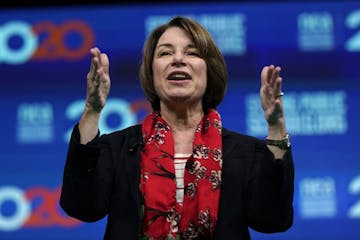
(192, 53)
(165, 53)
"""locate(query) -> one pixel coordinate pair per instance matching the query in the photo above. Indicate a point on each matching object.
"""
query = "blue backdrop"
(44, 58)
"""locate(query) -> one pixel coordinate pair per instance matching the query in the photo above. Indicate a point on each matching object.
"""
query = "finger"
(94, 51)
(94, 61)
(104, 61)
(102, 73)
(274, 76)
(277, 87)
(270, 74)
(98, 55)
(264, 75)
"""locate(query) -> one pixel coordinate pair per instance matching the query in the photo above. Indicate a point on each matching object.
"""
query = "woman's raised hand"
(98, 88)
(98, 81)
(270, 94)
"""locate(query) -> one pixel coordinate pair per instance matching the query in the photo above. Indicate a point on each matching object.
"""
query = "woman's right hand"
(98, 88)
(98, 82)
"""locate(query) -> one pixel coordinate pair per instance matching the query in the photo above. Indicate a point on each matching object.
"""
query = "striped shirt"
(180, 160)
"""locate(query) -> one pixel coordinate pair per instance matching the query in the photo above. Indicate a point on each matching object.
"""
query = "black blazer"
(102, 178)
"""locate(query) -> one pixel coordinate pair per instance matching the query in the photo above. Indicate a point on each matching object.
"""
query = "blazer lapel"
(133, 164)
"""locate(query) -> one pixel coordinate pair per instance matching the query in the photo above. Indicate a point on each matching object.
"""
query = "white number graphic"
(113, 106)
(29, 42)
(352, 22)
(354, 188)
(23, 208)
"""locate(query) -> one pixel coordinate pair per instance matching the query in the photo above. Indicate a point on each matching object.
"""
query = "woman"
(180, 174)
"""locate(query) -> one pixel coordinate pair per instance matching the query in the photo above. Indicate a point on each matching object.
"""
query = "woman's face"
(179, 72)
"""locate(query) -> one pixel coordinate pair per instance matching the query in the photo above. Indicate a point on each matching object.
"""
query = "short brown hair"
(216, 69)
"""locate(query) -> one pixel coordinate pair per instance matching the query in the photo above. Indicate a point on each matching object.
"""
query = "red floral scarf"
(164, 218)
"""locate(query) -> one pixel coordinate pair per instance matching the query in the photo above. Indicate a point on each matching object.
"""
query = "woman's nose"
(178, 59)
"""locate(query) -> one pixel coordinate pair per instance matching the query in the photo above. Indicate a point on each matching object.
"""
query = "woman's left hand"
(271, 102)
(270, 95)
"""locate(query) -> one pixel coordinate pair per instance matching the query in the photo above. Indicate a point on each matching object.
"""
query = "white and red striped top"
(180, 160)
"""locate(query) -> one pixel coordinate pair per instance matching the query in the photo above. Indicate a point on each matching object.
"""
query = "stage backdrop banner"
(44, 59)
